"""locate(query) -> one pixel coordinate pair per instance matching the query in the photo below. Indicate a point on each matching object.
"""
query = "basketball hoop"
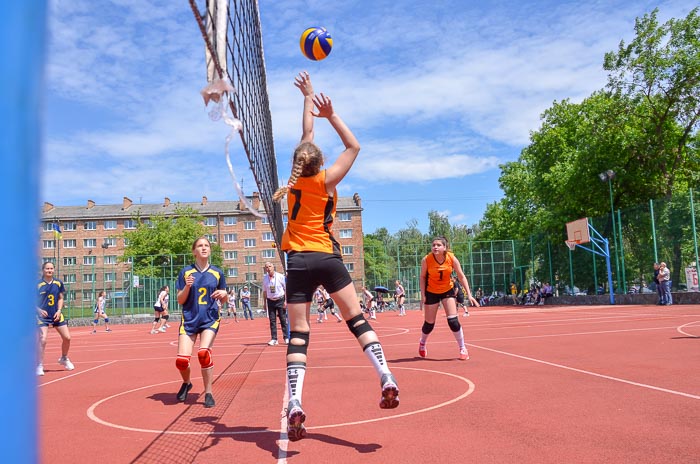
(571, 244)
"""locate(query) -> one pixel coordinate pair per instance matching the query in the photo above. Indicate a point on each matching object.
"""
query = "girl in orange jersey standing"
(436, 287)
(313, 254)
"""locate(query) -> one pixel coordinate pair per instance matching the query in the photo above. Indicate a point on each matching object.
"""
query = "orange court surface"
(545, 384)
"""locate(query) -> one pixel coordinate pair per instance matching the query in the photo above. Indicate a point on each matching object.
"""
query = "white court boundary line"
(93, 416)
(76, 374)
(594, 374)
(680, 329)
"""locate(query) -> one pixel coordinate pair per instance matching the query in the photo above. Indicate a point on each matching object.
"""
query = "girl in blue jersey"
(200, 289)
(49, 313)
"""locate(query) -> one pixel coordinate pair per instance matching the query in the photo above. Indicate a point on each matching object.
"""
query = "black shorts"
(435, 298)
(306, 270)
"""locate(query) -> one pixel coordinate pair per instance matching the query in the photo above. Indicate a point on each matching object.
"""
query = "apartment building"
(86, 254)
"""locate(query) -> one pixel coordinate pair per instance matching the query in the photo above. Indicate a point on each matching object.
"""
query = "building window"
(111, 241)
(251, 259)
(70, 243)
(265, 220)
(69, 278)
(230, 220)
(87, 295)
(249, 225)
(90, 225)
(49, 244)
(267, 237)
(249, 243)
(350, 266)
(347, 250)
(344, 216)
(230, 238)
(70, 261)
(110, 225)
(89, 242)
(210, 221)
(88, 277)
(127, 276)
(211, 237)
(268, 254)
(251, 276)
(48, 226)
(345, 233)
(48, 260)
(230, 255)
(129, 224)
(110, 276)
(68, 226)
(89, 260)
(110, 260)
(232, 272)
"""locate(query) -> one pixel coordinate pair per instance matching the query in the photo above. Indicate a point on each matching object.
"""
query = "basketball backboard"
(577, 231)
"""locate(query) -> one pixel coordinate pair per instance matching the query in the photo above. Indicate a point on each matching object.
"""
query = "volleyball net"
(234, 55)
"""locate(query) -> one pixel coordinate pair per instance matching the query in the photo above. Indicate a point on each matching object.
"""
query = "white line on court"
(594, 374)
(76, 373)
(680, 329)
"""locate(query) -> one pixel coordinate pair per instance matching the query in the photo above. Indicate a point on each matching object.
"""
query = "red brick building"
(86, 254)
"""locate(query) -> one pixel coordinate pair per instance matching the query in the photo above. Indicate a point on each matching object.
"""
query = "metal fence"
(662, 230)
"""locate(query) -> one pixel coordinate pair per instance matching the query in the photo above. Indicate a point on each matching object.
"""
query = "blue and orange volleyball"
(316, 43)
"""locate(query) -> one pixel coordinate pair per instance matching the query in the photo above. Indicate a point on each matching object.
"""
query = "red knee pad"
(205, 359)
(182, 362)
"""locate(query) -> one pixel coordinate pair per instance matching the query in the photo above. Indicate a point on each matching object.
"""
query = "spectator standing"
(665, 279)
(659, 289)
(274, 295)
(245, 302)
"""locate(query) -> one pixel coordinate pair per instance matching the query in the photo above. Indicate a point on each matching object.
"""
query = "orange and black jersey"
(438, 275)
(311, 213)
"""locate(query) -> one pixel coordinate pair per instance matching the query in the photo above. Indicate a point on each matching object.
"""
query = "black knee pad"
(358, 329)
(166, 317)
(298, 349)
(157, 319)
(453, 322)
(427, 327)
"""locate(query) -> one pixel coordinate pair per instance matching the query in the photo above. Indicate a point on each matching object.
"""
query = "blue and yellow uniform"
(201, 311)
(49, 295)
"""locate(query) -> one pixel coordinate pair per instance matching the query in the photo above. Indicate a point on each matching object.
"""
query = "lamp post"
(608, 176)
(104, 246)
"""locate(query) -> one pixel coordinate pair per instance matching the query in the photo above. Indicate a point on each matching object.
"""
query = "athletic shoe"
(286, 341)
(390, 392)
(154, 332)
(162, 329)
(184, 390)
(40, 369)
(108, 330)
(65, 362)
(94, 331)
(463, 354)
(272, 342)
(466, 314)
(167, 326)
(209, 401)
(422, 350)
(295, 421)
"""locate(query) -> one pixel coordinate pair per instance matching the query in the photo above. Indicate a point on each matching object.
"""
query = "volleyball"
(316, 43)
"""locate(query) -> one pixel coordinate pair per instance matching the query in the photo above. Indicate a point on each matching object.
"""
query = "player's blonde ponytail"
(308, 160)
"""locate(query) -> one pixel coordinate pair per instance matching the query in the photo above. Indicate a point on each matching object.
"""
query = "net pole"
(23, 37)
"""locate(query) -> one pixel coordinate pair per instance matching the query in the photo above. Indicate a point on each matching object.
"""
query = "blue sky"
(438, 94)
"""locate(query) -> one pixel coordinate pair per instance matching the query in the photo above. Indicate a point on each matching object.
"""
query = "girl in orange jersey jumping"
(436, 287)
(313, 254)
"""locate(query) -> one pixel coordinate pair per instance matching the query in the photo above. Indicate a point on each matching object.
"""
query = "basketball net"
(571, 244)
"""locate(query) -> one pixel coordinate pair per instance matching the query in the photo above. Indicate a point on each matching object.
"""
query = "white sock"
(459, 336)
(296, 371)
(375, 353)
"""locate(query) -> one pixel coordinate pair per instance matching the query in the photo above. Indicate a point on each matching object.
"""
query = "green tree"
(164, 242)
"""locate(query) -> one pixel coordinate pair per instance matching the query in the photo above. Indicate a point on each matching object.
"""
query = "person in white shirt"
(275, 302)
